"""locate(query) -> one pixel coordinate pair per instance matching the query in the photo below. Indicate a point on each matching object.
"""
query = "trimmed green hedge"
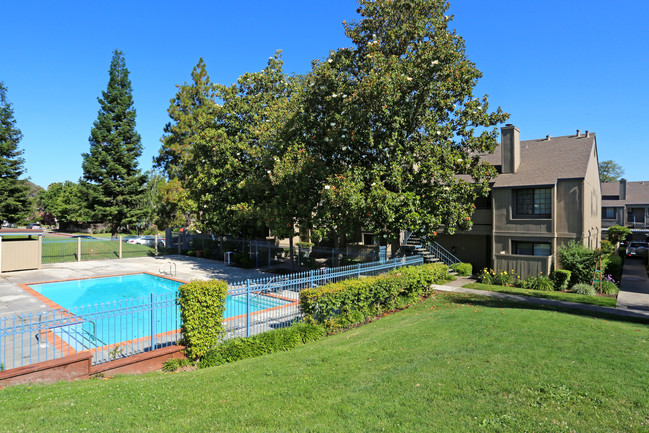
(464, 269)
(351, 301)
(561, 279)
(261, 344)
(202, 304)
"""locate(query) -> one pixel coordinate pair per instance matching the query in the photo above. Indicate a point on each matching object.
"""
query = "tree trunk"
(290, 241)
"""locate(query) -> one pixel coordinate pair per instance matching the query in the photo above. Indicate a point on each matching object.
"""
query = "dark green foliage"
(579, 260)
(614, 267)
(243, 260)
(14, 192)
(618, 233)
(561, 279)
(609, 288)
(541, 283)
(65, 201)
(277, 340)
(202, 304)
(607, 248)
(583, 289)
(464, 269)
(111, 178)
(610, 171)
(352, 301)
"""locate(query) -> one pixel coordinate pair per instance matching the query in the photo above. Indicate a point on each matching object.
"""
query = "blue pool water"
(126, 313)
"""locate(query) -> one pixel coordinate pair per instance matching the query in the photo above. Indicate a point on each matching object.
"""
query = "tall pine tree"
(13, 191)
(111, 177)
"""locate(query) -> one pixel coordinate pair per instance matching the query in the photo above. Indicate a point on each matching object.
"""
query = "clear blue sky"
(555, 66)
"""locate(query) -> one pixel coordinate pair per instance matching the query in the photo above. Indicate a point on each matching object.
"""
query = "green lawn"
(453, 363)
(603, 301)
(57, 249)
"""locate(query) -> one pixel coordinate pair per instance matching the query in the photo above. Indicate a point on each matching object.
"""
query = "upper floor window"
(608, 213)
(533, 202)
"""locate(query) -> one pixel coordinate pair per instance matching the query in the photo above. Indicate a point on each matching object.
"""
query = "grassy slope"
(452, 363)
(603, 301)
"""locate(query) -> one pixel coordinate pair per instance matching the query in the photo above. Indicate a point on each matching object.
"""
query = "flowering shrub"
(486, 276)
(503, 278)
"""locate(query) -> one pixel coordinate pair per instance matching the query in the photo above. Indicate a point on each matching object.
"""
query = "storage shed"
(20, 249)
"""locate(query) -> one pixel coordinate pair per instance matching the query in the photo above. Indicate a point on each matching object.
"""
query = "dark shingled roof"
(544, 161)
(636, 193)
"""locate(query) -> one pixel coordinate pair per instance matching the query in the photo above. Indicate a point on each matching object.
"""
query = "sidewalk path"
(634, 288)
(456, 286)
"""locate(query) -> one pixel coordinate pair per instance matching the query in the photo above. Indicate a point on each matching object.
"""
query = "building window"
(533, 202)
(532, 248)
(608, 213)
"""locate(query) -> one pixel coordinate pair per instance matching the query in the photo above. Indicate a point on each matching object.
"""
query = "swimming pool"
(107, 311)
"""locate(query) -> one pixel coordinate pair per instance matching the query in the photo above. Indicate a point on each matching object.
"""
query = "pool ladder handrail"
(163, 270)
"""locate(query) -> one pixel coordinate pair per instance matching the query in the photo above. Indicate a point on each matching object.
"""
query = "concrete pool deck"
(15, 301)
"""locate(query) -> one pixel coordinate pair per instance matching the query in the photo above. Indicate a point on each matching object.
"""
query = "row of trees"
(373, 136)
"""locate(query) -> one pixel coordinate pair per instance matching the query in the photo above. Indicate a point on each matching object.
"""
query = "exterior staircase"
(432, 252)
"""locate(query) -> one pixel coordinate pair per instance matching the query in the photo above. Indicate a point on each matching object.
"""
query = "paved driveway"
(634, 288)
(14, 300)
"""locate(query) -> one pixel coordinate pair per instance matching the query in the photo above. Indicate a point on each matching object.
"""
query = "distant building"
(626, 204)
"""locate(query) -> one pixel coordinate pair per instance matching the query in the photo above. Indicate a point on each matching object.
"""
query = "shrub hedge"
(464, 269)
(539, 283)
(614, 267)
(609, 288)
(202, 304)
(277, 340)
(560, 278)
(351, 301)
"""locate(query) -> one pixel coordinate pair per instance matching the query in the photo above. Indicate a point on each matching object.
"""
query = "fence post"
(395, 263)
(152, 322)
(248, 308)
(155, 241)
(270, 251)
(120, 246)
(359, 270)
(78, 249)
(299, 262)
(311, 278)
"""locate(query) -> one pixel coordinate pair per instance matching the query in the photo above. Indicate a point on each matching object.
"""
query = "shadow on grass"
(488, 302)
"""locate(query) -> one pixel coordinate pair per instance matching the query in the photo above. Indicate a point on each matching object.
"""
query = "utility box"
(20, 249)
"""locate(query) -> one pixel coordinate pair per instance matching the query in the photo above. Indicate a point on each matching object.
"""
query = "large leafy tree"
(64, 201)
(14, 192)
(111, 176)
(610, 171)
(394, 120)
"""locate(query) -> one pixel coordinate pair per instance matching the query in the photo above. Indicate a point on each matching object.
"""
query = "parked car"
(637, 249)
(147, 240)
(35, 226)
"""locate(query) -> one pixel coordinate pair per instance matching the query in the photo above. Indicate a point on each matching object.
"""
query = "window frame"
(516, 244)
(535, 198)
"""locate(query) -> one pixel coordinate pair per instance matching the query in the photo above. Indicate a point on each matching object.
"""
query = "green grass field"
(453, 363)
(604, 301)
(57, 249)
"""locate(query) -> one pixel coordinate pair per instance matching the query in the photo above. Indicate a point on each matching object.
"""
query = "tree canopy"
(14, 191)
(385, 134)
(610, 171)
(111, 177)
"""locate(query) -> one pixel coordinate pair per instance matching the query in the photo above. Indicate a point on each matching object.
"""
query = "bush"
(609, 288)
(351, 301)
(486, 276)
(579, 260)
(560, 278)
(464, 269)
(503, 278)
(607, 248)
(277, 340)
(614, 267)
(202, 304)
(242, 259)
(174, 364)
(539, 283)
(618, 233)
(583, 289)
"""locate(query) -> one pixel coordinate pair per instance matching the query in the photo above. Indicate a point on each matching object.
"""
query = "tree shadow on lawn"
(487, 302)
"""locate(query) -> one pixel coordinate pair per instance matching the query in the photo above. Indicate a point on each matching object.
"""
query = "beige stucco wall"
(20, 254)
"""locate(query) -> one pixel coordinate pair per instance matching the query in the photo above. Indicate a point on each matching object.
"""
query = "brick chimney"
(510, 148)
(623, 189)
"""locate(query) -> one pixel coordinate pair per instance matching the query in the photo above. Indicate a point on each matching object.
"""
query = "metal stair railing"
(442, 254)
